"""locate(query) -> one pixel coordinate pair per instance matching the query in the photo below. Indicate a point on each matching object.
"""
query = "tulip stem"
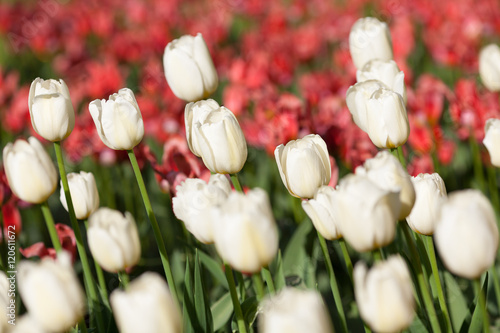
(347, 258)
(154, 225)
(82, 326)
(258, 285)
(333, 283)
(377, 255)
(482, 303)
(401, 157)
(234, 297)
(476, 157)
(91, 287)
(269, 280)
(124, 279)
(236, 182)
(49, 220)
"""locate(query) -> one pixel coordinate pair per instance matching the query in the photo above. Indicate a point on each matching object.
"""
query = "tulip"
(322, 212)
(492, 140)
(146, 306)
(304, 165)
(356, 98)
(214, 134)
(51, 111)
(118, 120)
(386, 171)
(25, 323)
(30, 171)
(466, 234)
(489, 67)
(245, 234)
(83, 193)
(431, 193)
(293, 310)
(194, 200)
(386, 72)
(385, 294)
(113, 239)
(51, 292)
(4, 300)
(367, 214)
(369, 39)
(189, 69)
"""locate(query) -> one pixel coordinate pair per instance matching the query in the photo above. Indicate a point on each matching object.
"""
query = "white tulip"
(385, 170)
(356, 98)
(369, 39)
(5, 301)
(385, 71)
(51, 292)
(194, 200)
(492, 140)
(189, 69)
(431, 193)
(146, 306)
(466, 234)
(322, 212)
(214, 134)
(118, 120)
(245, 234)
(304, 165)
(489, 67)
(84, 194)
(24, 324)
(30, 171)
(367, 214)
(384, 294)
(294, 311)
(51, 111)
(113, 239)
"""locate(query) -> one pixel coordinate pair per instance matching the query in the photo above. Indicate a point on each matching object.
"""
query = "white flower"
(84, 194)
(356, 99)
(369, 39)
(322, 212)
(385, 71)
(492, 140)
(489, 67)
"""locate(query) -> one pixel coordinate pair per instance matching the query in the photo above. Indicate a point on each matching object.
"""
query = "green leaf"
(249, 308)
(203, 313)
(214, 267)
(279, 277)
(222, 311)
(189, 312)
(295, 256)
(475, 322)
(457, 303)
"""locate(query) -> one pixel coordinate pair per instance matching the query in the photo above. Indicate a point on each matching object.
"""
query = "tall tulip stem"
(49, 221)
(234, 297)
(401, 157)
(482, 304)
(124, 279)
(258, 285)
(347, 258)
(236, 182)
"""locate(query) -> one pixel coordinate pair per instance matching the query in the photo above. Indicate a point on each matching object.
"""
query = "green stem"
(347, 258)
(333, 283)
(269, 280)
(478, 165)
(258, 285)
(236, 182)
(49, 221)
(124, 279)
(234, 297)
(87, 274)
(496, 284)
(377, 255)
(154, 224)
(492, 180)
(482, 304)
(82, 326)
(100, 278)
(401, 157)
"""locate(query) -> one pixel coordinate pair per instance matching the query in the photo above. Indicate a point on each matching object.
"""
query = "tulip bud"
(194, 201)
(431, 193)
(369, 39)
(118, 120)
(189, 69)
(84, 194)
(214, 134)
(146, 306)
(384, 71)
(466, 234)
(51, 111)
(384, 294)
(294, 311)
(356, 98)
(489, 67)
(385, 170)
(323, 213)
(113, 239)
(367, 214)
(245, 233)
(304, 165)
(492, 140)
(30, 171)
(51, 292)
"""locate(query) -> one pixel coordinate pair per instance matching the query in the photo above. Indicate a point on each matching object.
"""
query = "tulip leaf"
(277, 269)
(222, 311)
(456, 301)
(189, 312)
(473, 322)
(250, 310)
(214, 267)
(295, 255)
(204, 315)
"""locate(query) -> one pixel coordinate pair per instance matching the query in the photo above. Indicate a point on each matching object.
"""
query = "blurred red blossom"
(66, 237)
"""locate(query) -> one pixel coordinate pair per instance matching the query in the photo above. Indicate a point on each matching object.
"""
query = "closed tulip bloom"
(356, 98)
(367, 214)
(322, 212)
(194, 201)
(146, 306)
(51, 292)
(214, 134)
(30, 171)
(369, 39)
(384, 71)
(245, 234)
(466, 234)
(489, 67)
(84, 194)
(189, 69)
(51, 111)
(385, 170)
(384, 294)
(304, 165)
(118, 120)
(492, 140)
(294, 311)
(113, 239)
(431, 193)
